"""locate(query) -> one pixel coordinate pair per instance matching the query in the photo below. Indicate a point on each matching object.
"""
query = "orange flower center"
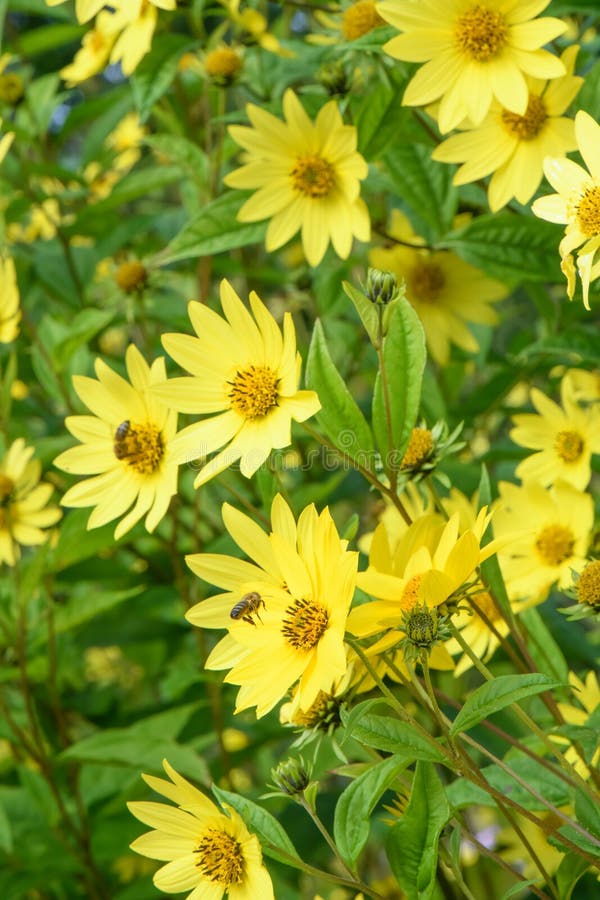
(481, 33)
(419, 448)
(588, 585)
(222, 63)
(425, 282)
(305, 624)
(588, 211)
(131, 276)
(554, 544)
(359, 19)
(254, 392)
(569, 446)
(411, 595)
(220, 858)
(526, 127)
(140, 446)
(313, 176)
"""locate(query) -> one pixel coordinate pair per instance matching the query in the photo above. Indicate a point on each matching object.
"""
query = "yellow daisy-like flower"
(137, 21)
(514, 146)
(584, 385)
(286, 612)
(565, 436)
(207, 851)
(125, 445)
(244, 369)
(306, 176)
(352, 21)
(126, 140)
(10, 314)
(559, 525)
(446, 292)
(576, 205)
(587, 694)
(84, 9)
(473, 50)
(24, 509)
(95, 50)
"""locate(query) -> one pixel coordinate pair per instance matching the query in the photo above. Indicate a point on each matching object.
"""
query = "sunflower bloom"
(24, 509)
(512, 146)
(306, 176)
(473, 50)
(10, 314)
(576, 205)
(125, 446)
(555, 544)
(446, 292)
(244, 369)
(285, 612)
(564, 436)
(206, 850)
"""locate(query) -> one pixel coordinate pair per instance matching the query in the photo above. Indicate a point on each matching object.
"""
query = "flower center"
(140, 446)
(222, 63)
(426, 281)
(131, 276)
(7, 487)
(359, 19)
(254, 392)
(220, 858)
(554, 544)
(569, 446)
(481, 33)
(588, 585)
(588, 211)
(419, 448)
(526, 127)
(313, 176)
(411, 595)
(305, 624)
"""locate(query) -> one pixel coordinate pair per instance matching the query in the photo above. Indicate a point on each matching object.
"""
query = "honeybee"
(122, 430)
(120, 448)
(247, 607)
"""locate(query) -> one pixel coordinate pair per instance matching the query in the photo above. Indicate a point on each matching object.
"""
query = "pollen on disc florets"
(588, 585)
(554, 544)
(529, 125)
(419, 450)
(220, 858)
(254, 392)
(222, 65)
(360, 18)
(569, 446)
(131, 276)
(313, 176)
(481, 32)
(140, 446)
(588, 211)
(304, 624)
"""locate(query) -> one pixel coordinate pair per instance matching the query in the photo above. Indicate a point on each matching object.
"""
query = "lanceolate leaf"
(495, 695)
(386, 733)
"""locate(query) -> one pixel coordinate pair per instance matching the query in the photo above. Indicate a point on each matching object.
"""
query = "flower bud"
(291, 776)
(381, 286)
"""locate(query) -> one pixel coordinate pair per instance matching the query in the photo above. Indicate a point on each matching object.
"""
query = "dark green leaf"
(425, 185)
(386, 733)
(155, 73)
(544, 650)
(495, 695)
(568, 874)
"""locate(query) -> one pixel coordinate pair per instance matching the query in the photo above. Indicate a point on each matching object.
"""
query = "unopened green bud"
(333, 77)
(381, 286)
(291, 776)
(421, 626)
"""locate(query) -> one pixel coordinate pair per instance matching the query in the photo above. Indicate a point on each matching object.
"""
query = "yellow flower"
(94, 53)
(125, 140)
(84, 9)
(473, 51)
(307, 178)
(5, 142)
(24, 509)
(565, 437)
(223, 64)
(584, 385)
(256, 27)
(125, 445)
(588, 696)
(445, 291)
(10, 314)
(137, 22)
(244, 369)
(559, 521)
(576, 205)
(206, 850)
(353, 21)
(513, 850)
(513, 146)
(286, 612)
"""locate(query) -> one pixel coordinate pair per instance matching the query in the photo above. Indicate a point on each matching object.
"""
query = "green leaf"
(412, 844)
(568, 874)
(587, 812)
(425, 186)
(155, 73)
(215, 230)
(517, 888)
(81, 329)
(340, 417)
(386, 733)
(544, 650)
(511, 247)
(6, 838)
(404, 361)
(353, 810)
(366, 310)
(93, 603)
(41, 40)
(497, 694)
(182, 152)
(272, 835)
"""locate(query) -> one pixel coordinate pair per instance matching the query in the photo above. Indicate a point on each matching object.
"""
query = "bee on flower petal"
(247, 607)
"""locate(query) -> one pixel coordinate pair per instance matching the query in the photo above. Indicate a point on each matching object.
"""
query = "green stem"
(326, 836)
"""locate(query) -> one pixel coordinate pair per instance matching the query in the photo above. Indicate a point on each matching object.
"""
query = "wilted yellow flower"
(245, 370)
(306, 176)
(125, 446)
(24, 509)
(576, 205)
(10, 314)
(206, 850)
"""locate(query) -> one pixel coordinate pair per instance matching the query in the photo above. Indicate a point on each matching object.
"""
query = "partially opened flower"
(286, 612)
(306, 176)
(473, 51)
(246, 371)
(576, 205)
(207, 851)
(10, 314)
(125, 446)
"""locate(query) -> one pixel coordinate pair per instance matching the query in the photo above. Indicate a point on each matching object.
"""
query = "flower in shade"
(558, 524)
(24, 508)
(446, 292)
(564, 436)
(306, 177)
(576, 205)
(10, 314)
(125, 446)
(304, 578)
(473, 51)
(513, 146)
(244, 370)
(207, 851)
